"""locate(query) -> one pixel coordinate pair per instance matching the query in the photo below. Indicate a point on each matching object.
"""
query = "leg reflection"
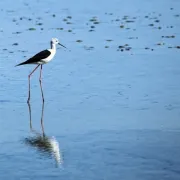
(44, 144)
(42, 119)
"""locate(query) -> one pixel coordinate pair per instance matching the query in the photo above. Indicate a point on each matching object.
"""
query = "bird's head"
(56, 41)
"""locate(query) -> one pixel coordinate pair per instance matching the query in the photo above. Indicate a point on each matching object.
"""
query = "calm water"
(109, 112)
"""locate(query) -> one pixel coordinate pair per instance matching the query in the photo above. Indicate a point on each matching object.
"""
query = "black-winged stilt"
(41, 58)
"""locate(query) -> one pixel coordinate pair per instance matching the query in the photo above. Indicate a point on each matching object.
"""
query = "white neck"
(53, 46)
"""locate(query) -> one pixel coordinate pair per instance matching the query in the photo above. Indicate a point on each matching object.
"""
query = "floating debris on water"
(88, 48)
(121, 47)
(160, 44)
(128, 48)
(17, 32)
(39, 24)
(93, 19)
(59, 28)
(109, 40)
(125, 18)
(151, 24)
(133, 38)
(157, 21)
(125, 47)
(79, 41)
(32, 29)
(15, 44)
(130, 21)
(172, 36)
(169, 26)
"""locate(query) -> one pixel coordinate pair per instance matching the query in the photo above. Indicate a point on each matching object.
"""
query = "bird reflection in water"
(46, 145)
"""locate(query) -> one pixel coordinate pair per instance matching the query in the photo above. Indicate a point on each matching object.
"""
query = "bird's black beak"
(62, 45)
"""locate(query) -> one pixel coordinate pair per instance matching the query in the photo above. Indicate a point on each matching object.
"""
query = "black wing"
(41, 55)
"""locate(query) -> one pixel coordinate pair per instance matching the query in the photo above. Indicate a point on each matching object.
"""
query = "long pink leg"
(29, 82)
(40, 81)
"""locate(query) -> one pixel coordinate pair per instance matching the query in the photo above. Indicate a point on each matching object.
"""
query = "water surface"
(111, 103)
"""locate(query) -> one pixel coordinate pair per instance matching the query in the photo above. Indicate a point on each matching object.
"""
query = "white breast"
(50, 57)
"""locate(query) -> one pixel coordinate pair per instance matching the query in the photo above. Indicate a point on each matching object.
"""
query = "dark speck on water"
(171, 36)
(130, 21)
(59, 28)
(96, 22)
(17, 32)
(39, 24)
(79, 41)
(151, 24)
(15, 44)
(32, 29)
(156, 21)
(121, 26)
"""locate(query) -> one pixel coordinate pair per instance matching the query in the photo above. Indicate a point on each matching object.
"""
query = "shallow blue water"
(115, 114)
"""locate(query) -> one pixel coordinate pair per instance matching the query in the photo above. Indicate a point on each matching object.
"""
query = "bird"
(40, 59)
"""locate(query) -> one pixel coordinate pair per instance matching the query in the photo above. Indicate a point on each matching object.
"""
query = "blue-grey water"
(112, 100)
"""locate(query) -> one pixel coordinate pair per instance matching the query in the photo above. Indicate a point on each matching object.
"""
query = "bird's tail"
(20, 64)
